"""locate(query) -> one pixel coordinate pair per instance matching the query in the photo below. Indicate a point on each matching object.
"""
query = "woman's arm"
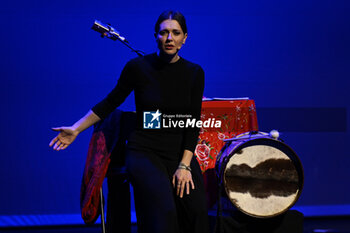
(88, 120)
(183, 177)
(100, 111)
(68, 134)
(187, 157)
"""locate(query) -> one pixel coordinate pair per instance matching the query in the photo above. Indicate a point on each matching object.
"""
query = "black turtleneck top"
(171, 88)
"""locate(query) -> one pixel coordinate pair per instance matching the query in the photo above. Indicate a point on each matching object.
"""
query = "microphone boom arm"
(108, 31)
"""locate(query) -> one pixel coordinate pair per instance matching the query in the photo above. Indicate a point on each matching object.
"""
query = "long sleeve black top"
(170, 87)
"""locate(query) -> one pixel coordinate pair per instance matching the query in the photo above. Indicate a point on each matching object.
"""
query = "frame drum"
(262, 176)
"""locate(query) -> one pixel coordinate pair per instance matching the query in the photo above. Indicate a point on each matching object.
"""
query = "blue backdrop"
(291, 57)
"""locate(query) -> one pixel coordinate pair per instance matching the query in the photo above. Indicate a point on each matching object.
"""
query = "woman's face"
(170, 37)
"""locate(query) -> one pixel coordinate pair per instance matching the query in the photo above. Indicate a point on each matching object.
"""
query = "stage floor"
(311, 225)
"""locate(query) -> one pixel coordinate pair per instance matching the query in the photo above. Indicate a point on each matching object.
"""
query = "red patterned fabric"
(237, 116)
(96, 167)
(104, 138)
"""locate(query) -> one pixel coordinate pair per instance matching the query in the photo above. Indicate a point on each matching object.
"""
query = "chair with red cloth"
(106, 158)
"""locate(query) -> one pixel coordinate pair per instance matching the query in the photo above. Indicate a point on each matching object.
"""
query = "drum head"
(263, 177)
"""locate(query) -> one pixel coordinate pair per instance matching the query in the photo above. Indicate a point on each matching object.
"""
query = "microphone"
(107, 30)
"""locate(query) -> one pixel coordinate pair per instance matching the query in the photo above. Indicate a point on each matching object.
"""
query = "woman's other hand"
(182, 179)
(65, 137)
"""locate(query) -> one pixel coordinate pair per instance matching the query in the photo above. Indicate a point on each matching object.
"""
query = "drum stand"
(219, 225)
(289, 222)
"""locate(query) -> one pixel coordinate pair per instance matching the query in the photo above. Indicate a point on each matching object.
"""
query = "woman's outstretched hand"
(65, 137)
(182, 179)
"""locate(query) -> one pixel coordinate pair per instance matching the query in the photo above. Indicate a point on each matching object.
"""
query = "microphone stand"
(108, 31)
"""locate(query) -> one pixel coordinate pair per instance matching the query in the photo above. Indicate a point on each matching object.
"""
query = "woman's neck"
(168, 58)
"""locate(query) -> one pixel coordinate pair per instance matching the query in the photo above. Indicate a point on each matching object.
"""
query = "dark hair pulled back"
(174, 15)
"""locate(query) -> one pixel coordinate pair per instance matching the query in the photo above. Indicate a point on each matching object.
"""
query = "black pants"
(158, 209)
